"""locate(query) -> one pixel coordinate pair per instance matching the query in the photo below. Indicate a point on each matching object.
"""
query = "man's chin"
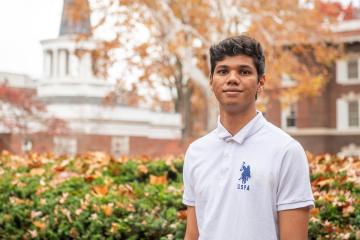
(235, 107)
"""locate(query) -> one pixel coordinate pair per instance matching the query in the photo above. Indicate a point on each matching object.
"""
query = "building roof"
(75, 18)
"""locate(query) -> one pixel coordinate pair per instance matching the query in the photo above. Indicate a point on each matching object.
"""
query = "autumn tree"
(22, 113)
(168, 42)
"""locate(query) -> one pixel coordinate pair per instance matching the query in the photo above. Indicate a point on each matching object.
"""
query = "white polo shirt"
(239, 183)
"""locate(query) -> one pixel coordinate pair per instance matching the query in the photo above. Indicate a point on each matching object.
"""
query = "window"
(287, 81)
(348, 111)
(348, 71)
(289, 117)
(353, 70)
(353, 109)
(26, 145)
(65, 145)
(120, 146)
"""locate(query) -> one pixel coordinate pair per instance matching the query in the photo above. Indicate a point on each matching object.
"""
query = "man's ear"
(210, 81)
(261, 83)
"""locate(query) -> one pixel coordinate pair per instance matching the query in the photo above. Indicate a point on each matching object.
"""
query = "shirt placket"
(226, 159)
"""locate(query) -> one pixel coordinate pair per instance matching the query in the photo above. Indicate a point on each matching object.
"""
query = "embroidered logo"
(244, 178)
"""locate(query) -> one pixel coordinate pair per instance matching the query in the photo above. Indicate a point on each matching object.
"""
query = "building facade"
(330, 122)
(73, 93)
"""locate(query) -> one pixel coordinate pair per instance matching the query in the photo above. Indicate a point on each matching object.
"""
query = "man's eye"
(222, 71)
(245, 72)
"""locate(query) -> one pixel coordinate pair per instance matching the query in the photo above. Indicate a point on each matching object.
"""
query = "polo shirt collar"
(249, 129)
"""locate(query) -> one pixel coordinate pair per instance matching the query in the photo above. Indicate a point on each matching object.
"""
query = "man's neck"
(234, 122)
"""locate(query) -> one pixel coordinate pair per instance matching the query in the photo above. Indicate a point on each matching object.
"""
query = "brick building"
(72, 92)
(330, 122)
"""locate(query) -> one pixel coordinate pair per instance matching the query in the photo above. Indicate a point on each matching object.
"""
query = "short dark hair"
(238, 45)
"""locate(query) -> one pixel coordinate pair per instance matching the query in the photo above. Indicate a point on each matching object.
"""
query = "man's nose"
(233, 78)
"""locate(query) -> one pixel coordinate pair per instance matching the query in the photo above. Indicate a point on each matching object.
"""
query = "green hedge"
(97, 197)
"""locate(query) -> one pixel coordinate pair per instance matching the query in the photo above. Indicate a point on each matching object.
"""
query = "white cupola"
(68, 62)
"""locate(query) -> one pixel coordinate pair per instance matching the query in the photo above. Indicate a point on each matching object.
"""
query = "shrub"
(96, 197)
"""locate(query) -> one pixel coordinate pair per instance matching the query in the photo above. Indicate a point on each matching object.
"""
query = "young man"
(247, 179)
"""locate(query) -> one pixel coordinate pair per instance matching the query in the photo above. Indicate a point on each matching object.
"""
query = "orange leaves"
(19, 201)
(39, 224)
(101, 190)
(143, 169)
(74, 233)
(325, 182)
(346, 211)
(314, 212)
(182, 214)
(107, 209)
(158, 180)
(126, 190)
(37, 171)
(62, 177)
(121, 159)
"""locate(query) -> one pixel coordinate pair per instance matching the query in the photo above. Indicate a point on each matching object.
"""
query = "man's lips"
(231, 90)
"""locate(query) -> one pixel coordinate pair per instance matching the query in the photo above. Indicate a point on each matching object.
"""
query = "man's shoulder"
(204, 141)
(278, 136)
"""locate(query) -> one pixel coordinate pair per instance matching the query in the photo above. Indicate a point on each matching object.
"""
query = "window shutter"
(341, 114)
(341, 71)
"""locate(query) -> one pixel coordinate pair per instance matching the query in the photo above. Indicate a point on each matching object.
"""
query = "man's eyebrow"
(239, 66)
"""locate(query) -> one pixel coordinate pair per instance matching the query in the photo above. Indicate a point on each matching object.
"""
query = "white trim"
(348, 25)
(17, 80)
(70, 88)
(341, 113)
(324, 131)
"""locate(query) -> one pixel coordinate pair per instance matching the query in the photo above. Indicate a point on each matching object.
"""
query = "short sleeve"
(188, 195)
(294, 188)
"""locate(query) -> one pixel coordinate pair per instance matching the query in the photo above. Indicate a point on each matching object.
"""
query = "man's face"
(235, 83)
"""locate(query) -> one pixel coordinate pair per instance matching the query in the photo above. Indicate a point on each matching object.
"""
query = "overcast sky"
(23, 23)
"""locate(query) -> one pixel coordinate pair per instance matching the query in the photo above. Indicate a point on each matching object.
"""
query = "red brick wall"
(87, 143)
(5, 142)
(273, 112)
(326, 144)
(313, 112)
(313, 144)
(153, 147)
(138, 145)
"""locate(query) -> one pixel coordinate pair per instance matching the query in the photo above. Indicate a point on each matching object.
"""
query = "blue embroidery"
(245, 176)
(245, 173)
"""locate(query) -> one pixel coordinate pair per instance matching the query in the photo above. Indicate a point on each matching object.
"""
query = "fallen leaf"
(143, 169)
(37, 171)
(107, 209)
(314, 212)
(348, 210)
(40, 225)
(158, 180)
(35, 214)
(182, 214)
(101, 190)
(73, 233)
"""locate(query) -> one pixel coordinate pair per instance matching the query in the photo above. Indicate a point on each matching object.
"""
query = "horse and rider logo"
(244, 178)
